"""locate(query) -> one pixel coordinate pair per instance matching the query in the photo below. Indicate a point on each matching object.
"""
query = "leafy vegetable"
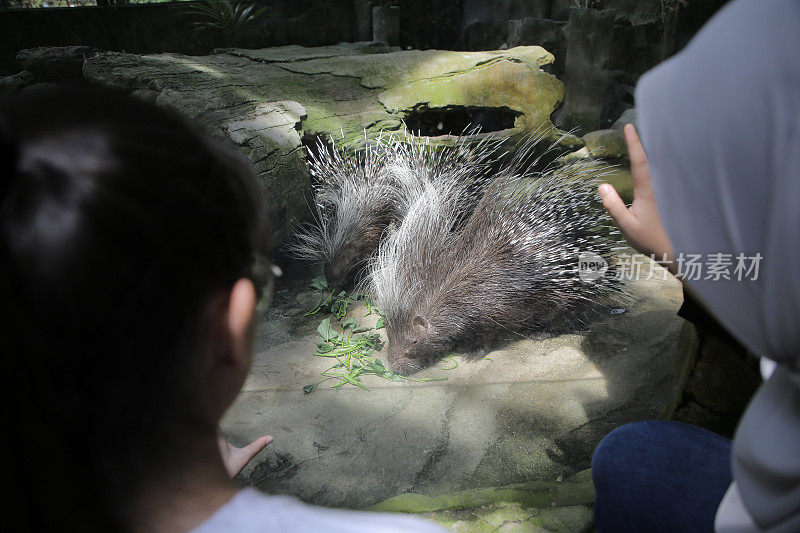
(355, 346)
(330, 300)
(354, 351)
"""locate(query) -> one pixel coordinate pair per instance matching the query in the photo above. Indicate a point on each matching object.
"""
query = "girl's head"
(132, 251)
(723, 149)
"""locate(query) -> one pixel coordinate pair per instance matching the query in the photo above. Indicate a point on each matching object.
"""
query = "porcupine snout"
(339, 278)
(405, 338)
(402, 360)
(414, 344)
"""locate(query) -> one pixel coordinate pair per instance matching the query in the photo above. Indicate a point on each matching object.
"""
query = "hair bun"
(9, 155)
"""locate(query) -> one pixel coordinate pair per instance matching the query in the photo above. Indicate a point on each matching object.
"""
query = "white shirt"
(251, 511)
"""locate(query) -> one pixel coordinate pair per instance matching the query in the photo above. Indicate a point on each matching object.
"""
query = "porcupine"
(355, 199)
(513, 268)
(359, 194)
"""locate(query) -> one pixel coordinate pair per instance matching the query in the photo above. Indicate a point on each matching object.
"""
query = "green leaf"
(379, 324)
(341, 310)
(452, 359)
(319, 283)
(353, 348)
(394, 377)
(326, 331)
(372, 338)
(308, 389)
(378, 368)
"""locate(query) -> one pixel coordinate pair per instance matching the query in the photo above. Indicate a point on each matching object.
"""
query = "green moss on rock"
(541, 494)
(350, 92)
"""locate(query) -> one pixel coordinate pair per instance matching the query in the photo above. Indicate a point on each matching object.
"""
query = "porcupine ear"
(420, 324)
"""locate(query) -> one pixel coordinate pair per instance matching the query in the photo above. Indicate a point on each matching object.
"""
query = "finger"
(640, 170)
(238, 458)
(623, 218)
(222, 442)
(256, 446)
(635, 149)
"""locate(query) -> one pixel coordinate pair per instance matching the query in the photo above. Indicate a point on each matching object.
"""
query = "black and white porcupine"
(359, 194)
(355, 200)
(512, 268)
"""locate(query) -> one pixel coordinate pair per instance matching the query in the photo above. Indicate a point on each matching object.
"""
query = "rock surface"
(484, 23)
(716, 379)
(146, 95)
(591, 36)
(55, 63)
(542, 32)
(266, 101)
(606, 53)
(40, 88)
(606, 144)
(627, 117)
(534, 410)
(556, 506)
(13, 84)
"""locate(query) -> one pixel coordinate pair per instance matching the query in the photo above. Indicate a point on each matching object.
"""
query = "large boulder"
(269, 102)
(542, 32)
(590, 35)
(13, 84)
(627, 117)
(606, 144)
(715, 379)
(533, 410)
(543, 506)
(55, 63)
(606, 53)
(484, 23)
(637, 11)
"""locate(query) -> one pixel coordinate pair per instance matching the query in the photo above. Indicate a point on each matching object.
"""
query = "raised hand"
(235, 458)
(640, 223)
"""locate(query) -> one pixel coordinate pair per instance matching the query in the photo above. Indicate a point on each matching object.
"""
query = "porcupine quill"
(511, 268)
(360, 194)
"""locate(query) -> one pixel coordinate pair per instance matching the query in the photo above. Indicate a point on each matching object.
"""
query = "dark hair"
(119, 224)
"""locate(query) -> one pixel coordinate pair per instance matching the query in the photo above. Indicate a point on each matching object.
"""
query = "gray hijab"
(720, 123)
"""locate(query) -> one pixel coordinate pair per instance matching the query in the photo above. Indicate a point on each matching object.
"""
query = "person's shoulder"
(251, 511)
(743, 25)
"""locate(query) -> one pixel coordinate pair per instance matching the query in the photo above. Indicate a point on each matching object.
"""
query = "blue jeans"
(659, 476)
